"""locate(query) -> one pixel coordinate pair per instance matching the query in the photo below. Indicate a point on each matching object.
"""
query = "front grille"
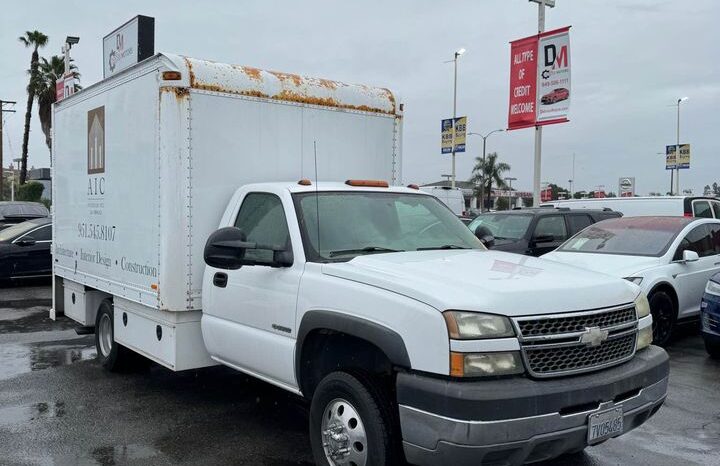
(565, 344)
(549, 361)
(576, 323)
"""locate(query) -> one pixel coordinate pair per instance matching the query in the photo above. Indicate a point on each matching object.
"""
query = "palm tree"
(49, 72)
(35, 40)
(488, 172)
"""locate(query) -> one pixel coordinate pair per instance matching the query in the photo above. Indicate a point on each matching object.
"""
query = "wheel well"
(667, 288)
(324, 351)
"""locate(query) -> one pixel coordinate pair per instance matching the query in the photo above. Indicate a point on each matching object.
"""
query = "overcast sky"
(631, 61)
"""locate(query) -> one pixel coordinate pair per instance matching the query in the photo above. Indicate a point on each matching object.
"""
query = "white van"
(451, 197)
(687, 206)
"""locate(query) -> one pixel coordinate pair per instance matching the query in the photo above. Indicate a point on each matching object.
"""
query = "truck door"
(249, 317)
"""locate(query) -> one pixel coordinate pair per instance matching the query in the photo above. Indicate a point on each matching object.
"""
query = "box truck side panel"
(236, 140)
(106, 175)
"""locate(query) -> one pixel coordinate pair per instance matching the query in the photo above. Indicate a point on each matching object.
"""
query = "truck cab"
(384, 310)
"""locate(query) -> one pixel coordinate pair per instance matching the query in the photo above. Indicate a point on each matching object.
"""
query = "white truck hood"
(486, 281)
(612, 264)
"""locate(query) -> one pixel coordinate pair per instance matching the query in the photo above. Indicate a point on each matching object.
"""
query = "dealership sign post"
(539, 83)
(132, 42)
(672, 161)
(626, 186)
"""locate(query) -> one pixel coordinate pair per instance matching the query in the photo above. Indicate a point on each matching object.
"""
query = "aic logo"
(96, 141)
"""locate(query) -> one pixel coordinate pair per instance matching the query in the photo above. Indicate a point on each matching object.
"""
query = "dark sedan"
(25, 250)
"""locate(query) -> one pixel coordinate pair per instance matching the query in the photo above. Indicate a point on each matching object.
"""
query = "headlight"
(645, 337)
(485, 364)
(642, 306)
(473, 325)
(712, 288)
(635, 280)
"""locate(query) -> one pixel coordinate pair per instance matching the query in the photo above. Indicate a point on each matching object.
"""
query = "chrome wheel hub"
(105, 337)
(343, 435)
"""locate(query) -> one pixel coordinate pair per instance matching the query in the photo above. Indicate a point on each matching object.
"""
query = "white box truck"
(190, 228)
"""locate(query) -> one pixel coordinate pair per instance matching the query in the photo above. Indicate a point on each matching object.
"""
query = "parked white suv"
(670, 258)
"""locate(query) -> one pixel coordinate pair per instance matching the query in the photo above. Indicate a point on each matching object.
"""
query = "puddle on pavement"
(22, 414)
(20, 359)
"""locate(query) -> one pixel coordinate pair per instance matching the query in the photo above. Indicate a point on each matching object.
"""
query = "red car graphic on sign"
(555, 96)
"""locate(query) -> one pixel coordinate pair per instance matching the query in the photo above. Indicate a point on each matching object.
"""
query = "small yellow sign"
(447, 135)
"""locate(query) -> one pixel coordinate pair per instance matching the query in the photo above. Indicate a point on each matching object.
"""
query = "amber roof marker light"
(368, 183)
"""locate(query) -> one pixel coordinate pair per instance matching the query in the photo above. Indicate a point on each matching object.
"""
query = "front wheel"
(664, 316)
(351, 422)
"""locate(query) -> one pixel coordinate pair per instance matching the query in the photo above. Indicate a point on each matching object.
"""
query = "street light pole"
(482, 182)
(677, 148)
(510, 179)
(455, 61)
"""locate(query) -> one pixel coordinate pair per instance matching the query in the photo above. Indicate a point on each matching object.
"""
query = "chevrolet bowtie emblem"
(593, 336)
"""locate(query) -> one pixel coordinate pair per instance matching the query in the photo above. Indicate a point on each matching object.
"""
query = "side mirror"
(26, 241)
(690, 256)
(225, 248)
(485, 236)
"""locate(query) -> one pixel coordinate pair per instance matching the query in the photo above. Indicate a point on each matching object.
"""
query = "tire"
(113, 356)
(713, 349)
(664, 316)
(352, 405)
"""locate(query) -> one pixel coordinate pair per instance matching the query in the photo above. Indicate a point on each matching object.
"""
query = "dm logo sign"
(96, 141)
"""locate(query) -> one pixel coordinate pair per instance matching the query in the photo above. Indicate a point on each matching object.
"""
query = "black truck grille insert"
(548, 361)
(566, 344)
(576, 323)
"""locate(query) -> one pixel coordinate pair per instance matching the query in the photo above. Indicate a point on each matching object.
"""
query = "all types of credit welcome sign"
(540, 79)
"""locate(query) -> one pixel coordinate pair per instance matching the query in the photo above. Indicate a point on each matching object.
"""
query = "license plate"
(604, 425)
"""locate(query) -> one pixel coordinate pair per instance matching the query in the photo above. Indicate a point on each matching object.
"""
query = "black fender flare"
(387, 340)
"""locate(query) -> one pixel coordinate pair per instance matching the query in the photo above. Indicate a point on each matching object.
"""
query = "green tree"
(49, 72)
(33, 40)
(31, 191)
(488, 173)
(502, 203)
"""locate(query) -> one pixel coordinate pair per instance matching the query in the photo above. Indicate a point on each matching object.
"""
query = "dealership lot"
(57, 406)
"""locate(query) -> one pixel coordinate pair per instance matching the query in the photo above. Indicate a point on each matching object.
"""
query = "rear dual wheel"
(113, 356)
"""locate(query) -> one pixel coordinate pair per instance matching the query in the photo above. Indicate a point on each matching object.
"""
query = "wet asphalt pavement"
(59, 407)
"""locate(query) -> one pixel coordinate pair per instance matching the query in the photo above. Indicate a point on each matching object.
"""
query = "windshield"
(639, 236)
(12, 232)
(503, 226)
(358, 223)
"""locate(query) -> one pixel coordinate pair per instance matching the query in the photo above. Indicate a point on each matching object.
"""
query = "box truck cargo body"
(145, 163)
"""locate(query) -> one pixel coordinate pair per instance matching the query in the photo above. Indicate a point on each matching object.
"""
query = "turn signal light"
(368, 183)
(171, 76)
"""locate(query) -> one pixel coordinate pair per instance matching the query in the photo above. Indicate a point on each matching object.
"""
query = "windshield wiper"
(366, 249)
(446, 246)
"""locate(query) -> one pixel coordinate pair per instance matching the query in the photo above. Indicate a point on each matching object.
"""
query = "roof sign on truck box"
(132, 42)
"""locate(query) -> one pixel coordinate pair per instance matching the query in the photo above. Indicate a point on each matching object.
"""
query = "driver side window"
(262, 218)
(697, 240)
(551, 225)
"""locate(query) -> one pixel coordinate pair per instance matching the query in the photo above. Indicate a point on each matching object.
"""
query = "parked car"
(536, 231)
(451, 197)
(25, 250)
(556, 95)
(688, 206)
(14, 212)
(670, 258)
(710, 316)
